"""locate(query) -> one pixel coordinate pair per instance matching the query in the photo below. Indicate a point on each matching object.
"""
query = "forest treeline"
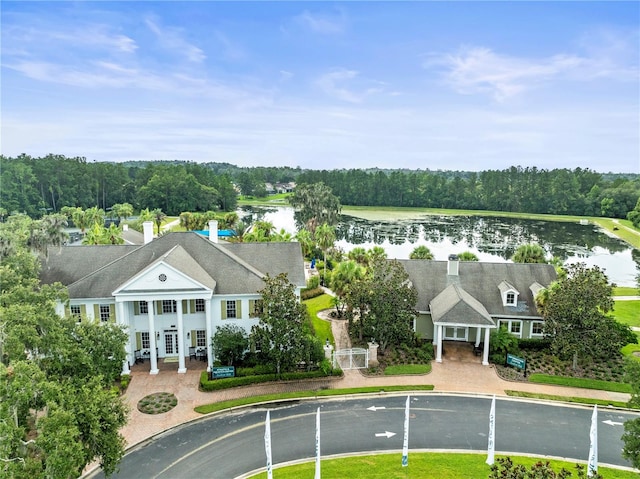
(529, 190)
(46, 184)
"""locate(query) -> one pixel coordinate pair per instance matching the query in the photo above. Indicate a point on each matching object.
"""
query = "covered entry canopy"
(456, 308)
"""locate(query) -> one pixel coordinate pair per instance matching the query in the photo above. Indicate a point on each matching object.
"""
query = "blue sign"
(515, 361)
(219, 372)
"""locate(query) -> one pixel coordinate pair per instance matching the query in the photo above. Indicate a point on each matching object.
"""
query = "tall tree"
(421, 252)
(529, 253)
(576, 312)
(158, 218)
(315, 205)
(382, 305)
(325, 236)
(280, 334)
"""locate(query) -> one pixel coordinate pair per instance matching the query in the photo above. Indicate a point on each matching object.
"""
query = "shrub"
(226, 383)
(312, 283)
(534, 344)
(311, 293)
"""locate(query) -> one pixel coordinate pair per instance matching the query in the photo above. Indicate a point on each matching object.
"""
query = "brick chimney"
(213, 231)
(452, 265)
(147, 231)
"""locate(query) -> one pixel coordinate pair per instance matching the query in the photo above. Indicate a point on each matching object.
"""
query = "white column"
(209, 333)
(181, 366)
(439, 346)
(485, 352)
(152, 340)
(120, 320)
(478, 334)
(435, 335)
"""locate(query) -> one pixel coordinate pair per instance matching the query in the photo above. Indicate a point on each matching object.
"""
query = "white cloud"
(481, 70)
(346, 85)
(172, 39)
(323, 23)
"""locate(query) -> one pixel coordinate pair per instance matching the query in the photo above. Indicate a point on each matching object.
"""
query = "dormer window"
(509, 294)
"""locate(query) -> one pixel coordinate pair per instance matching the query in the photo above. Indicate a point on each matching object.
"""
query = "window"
(105, 313)
(169, 306)
(144, 337)
(511, 298)
(199, 305)
(515, 327)
(231, 309)
(536, 328)
(255, 308)
(144, 307)
(201, 338)
(76, 312)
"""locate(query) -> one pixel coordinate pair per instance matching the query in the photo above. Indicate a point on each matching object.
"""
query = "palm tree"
(359, 255)
(325, 237)
(303, 236)
(158, 218)
(343, 275)
(468, 256)
(122, 210)
(421, 252)
(529, 253)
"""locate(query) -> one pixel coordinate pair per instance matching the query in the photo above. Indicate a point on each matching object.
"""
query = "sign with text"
(516, 362)
(219, 372)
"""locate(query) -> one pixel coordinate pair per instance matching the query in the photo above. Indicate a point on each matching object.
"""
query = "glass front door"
(171, 343)
(456, 333)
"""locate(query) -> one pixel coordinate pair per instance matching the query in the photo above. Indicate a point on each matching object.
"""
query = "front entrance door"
(171, 343)
(456, 333)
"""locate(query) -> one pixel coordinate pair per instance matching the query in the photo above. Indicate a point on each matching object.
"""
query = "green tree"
(421, 252)
(631, 440)
(98, 234)
(468, 256)
(503, 342)
(529, 253)
(58, 410)
(634, 215)
(382, 305)
(229, 344)
(122, 210)
(315, 205)
(577, 320)
(359, 255)
(280, 334)
(158, 218)
(325, 237)
(342, 277)
(303, 236)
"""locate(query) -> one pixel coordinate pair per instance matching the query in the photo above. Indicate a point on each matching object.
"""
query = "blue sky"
(430, 85)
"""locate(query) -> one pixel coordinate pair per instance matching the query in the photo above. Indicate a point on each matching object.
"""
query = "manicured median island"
(578, 400)
(400, 369)
(421, 465)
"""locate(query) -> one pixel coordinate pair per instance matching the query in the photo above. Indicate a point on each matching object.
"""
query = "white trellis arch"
(355, 358)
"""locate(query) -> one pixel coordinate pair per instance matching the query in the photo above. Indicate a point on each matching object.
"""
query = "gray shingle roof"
(481, 280)
(230, 268)
(455, 306)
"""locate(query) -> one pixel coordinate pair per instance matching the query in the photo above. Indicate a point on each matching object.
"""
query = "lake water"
(490, 238)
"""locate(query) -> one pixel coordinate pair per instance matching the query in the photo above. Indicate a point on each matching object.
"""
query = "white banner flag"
(492, 432)
(592, 469)
(267, 445)
(405, 442)
(317, 476)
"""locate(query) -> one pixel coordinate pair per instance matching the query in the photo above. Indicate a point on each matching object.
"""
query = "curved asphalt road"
(229, 445)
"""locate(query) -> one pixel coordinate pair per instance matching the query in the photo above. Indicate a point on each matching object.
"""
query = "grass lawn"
(629, 349)
(625, 291)
(580, 383)
(421, 465)
(320, 326)
(575, 399)
(627, 312)
(398, 369)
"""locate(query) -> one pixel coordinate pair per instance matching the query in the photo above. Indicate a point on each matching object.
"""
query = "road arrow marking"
(386, 434)
(375, 408)
(612, 423)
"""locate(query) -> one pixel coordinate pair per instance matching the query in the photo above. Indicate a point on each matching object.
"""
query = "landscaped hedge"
(226, 383)
(311, 293)
(534, 344)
